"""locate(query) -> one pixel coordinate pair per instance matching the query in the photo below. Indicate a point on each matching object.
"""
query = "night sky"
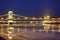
(31, 8)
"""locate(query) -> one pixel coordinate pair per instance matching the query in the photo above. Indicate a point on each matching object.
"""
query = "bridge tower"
(46, 20)
(10, 14)
(10, 18)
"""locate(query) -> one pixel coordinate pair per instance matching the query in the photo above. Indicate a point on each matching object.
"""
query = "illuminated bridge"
(11, 20)
(25, 21)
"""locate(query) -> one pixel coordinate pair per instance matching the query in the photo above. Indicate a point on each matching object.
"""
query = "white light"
(33, 18)
(10, 12)
(9, 32)
(10, 37)
(10, 21)
(31, 21)
(43, 23)
(11, 28)
(25, 17)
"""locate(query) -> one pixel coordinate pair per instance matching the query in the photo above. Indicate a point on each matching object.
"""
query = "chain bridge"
(18, 20)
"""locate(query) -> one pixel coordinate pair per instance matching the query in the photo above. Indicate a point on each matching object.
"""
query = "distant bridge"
(28, 21)
(10, 20)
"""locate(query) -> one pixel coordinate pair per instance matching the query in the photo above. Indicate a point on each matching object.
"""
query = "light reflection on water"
(46, 28)
(45, 32)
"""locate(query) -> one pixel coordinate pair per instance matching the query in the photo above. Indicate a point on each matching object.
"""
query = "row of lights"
(27, 18)
(33, 18)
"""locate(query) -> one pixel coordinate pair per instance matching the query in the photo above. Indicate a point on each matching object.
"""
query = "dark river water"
(45, 32)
